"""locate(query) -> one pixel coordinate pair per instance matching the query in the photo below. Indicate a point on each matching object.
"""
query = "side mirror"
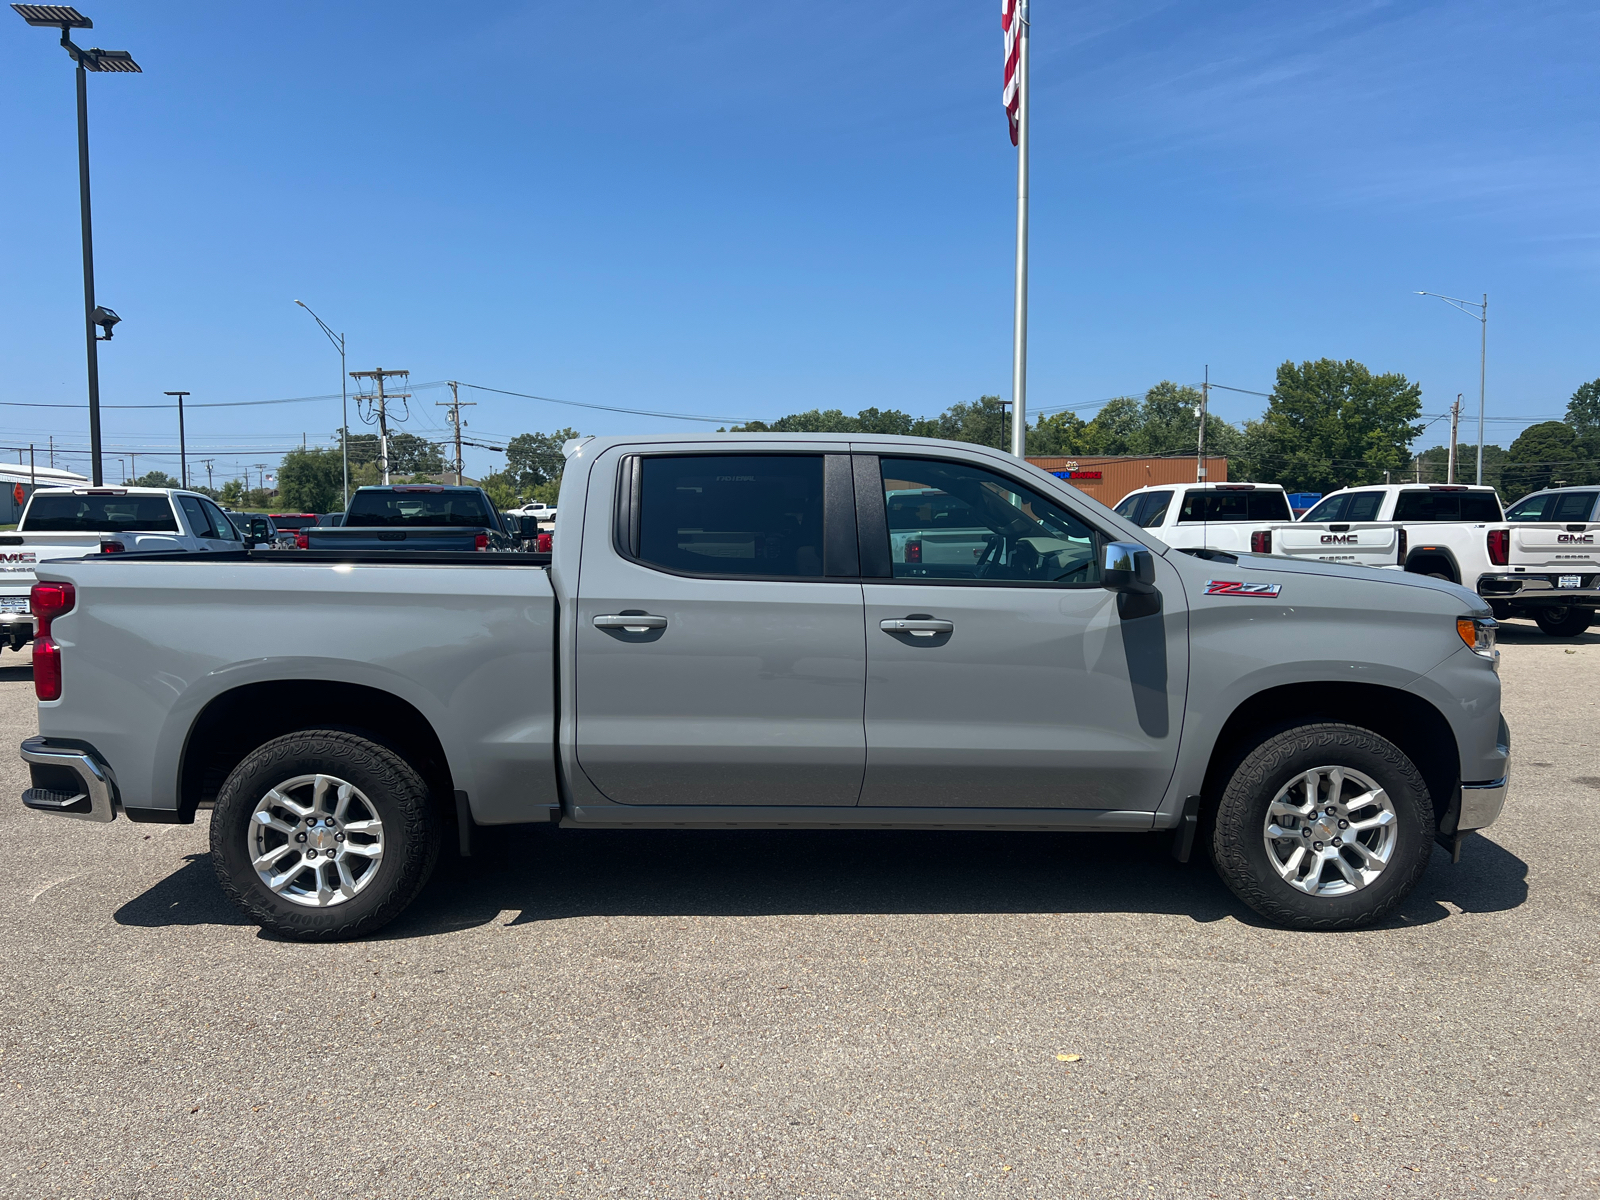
(1129, 569)
(258, 531)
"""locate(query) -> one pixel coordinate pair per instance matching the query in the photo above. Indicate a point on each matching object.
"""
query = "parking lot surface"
(819, 1014)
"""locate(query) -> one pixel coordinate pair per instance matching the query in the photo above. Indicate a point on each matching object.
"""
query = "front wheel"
(1563, 620)
(321, 835)
(1324, 827)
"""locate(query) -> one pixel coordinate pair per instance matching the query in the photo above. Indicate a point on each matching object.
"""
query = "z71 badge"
(1229, 587)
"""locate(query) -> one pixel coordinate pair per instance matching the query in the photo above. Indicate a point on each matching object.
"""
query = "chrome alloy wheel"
(1330, 831)
(315, 840)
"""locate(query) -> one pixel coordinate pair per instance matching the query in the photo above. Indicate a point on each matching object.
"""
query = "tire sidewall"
(1239, 837)
(389, 784)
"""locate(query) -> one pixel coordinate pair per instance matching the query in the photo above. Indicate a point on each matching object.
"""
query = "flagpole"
(1019, 337)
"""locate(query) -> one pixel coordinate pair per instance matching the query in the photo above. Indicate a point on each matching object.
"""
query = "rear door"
(719, 646)
(1004, 677)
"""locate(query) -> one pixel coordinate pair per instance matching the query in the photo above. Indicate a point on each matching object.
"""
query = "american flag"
(1012, 14)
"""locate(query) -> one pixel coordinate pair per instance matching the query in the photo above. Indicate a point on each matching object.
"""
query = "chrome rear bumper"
(73, 782)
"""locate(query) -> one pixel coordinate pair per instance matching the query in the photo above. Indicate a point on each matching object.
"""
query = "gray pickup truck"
(727, 635)
(414, 516)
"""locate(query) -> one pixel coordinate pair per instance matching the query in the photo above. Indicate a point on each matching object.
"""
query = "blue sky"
(744, 210)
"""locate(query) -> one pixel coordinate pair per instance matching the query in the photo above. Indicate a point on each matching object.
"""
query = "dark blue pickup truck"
(412, 516)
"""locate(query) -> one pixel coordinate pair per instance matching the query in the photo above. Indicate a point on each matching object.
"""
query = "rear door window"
(219, 521)
(100, 514)
(750, 515)
(199, 519)
(404, 507)
(1572, 506)
(1435, 505)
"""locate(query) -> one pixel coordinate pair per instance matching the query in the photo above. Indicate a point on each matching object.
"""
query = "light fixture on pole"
(67, 18)
(344, 402)
(1482, 317)
(183, 453)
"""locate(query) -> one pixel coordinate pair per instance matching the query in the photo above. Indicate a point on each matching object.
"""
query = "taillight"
(1261, 541)
(1401, 559)
(112, 546)
(302, 540)
(544, 543)
(1499, 546)
(481, 542)
(48, 601)
(46, 668)
(914, 550)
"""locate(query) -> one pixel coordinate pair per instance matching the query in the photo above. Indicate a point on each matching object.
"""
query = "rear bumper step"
(92, 796)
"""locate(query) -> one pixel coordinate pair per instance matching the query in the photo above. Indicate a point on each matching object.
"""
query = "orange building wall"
(1120, 475)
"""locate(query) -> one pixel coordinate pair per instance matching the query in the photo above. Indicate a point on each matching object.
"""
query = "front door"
(999, 673)
(720, 652)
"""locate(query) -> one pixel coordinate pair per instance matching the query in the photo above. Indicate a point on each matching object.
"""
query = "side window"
(953, 522)
(1331, 509)
(198, 521)
(726, 514)
(1127, 506)
(1531, 509)
(219, 522)
(1269, 506)
(1155, 507)
(1364, 506)
(1480, 506)
(1572, 506)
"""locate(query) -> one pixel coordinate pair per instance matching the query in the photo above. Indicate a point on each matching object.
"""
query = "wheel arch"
(1413, 724)
(1419, 560)
(235, 722)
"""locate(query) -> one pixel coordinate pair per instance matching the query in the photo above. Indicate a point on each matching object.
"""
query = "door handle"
(916, 626)
(630, 622)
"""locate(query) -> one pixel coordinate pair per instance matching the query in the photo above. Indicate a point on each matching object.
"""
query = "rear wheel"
(322, 835)
(1324, 827)
(1563, 620)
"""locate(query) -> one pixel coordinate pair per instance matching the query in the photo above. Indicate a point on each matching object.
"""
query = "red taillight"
(302, 540)
(1499, 546)
(1401, 560)
(545, 543)
(112, 546)
(46, 669)
(1261, 541)
(47, 601)
(481, 542)
(914, 550)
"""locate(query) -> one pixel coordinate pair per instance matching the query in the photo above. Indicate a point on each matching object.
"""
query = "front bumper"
(1542, 589)
(71, 780)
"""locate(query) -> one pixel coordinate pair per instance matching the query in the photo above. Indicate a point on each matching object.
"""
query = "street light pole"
(183, 452)
(344, 401)
(1482, 317)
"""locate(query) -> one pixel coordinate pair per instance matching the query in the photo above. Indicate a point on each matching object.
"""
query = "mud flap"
(1188, 824)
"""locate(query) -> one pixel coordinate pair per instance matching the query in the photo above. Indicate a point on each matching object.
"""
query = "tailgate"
(1556, 547)
(1367, 544)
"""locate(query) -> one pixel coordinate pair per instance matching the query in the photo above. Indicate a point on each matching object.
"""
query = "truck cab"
(1234, 517)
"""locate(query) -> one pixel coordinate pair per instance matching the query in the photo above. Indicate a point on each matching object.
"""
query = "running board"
(639, 816)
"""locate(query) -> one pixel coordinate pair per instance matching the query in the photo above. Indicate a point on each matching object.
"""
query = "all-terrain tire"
(1563, 620)
(1239, 849)
(393, 791)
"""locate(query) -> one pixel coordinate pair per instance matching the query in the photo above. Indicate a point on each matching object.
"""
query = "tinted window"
(220, 522)
(1364, 506)
(100, 514)
(1154, 509)
(957, 522)
(199, 520)
(1226, 505)
(419, 508)
(1554, 506)
(1531, 509)
(726, 514)
(1331, 509)
(298, 521)
(1434, 505)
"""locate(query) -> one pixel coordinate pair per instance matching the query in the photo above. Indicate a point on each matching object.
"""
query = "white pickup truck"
(1235, 517)
(73, 522)
(1552, 569)
(1449, 531)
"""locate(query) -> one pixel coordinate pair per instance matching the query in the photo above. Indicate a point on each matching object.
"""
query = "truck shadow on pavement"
(551, 875)
(1523, 632)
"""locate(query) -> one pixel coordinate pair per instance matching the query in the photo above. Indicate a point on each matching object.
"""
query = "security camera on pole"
(1014, 23)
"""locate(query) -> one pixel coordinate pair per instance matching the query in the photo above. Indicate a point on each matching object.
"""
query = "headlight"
(1478, 634)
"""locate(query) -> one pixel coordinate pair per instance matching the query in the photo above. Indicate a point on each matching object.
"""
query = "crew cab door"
(719, 646)
(207, 524)
(999, 673)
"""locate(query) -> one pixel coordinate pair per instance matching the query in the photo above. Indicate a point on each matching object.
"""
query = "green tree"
(501, 489)
(312, 481)
(1545, 455)
(232, 493)
(535, 459)
(408, 453)
(1583, 410)
(1332, 424)
(158, 479)
(1059, 433)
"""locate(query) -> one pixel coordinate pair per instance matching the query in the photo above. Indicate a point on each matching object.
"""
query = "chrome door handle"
(916, 627)
(630, 622)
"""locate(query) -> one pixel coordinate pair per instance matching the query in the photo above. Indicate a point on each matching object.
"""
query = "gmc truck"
(1237, 517)
(72, 522)
(1552, 567)
(727, 636)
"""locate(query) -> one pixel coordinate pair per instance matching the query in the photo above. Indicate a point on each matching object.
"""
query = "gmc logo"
(1575, 539)
(26, 556)
(1339, 539)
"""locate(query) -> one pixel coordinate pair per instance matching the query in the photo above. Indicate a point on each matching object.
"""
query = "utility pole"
(183, 454)
(261, 479)
(1205, 398)
(52, 452)
(33, 474)
(455, 404)
(1455, 422)
(383, 412)
(209, 486)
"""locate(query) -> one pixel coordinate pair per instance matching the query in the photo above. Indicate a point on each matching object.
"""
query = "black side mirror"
(258, 531)
(1129, 569)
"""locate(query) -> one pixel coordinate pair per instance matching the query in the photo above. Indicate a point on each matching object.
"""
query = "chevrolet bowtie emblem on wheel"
(1230, 587)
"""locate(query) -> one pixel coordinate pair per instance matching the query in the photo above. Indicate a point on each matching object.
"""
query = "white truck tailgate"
(1556, 547)
(1361, 543)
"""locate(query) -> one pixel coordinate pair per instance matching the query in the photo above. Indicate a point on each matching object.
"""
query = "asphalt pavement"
(820, 1014)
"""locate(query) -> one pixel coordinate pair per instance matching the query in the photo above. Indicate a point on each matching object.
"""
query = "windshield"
(420, 508)
(1554, 506)
(1347, 506)
(1231, 505)
(99, 514)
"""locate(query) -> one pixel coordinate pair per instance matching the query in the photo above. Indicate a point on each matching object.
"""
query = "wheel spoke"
(347, 881)
(1355, 878)
(278, 882)
(319, 793)
(1384, 817)
(324, 892)
(1311, 778)
(346, 791)
(1367, 799)
(275, 797)
(265, 818)
(271, 856)
(373, 827)
(365, 849)
(1373, 861)
(1290, 867)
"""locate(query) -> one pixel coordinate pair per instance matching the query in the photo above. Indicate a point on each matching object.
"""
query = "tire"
(378, 841)
(1563, 620)
(1328, 896)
